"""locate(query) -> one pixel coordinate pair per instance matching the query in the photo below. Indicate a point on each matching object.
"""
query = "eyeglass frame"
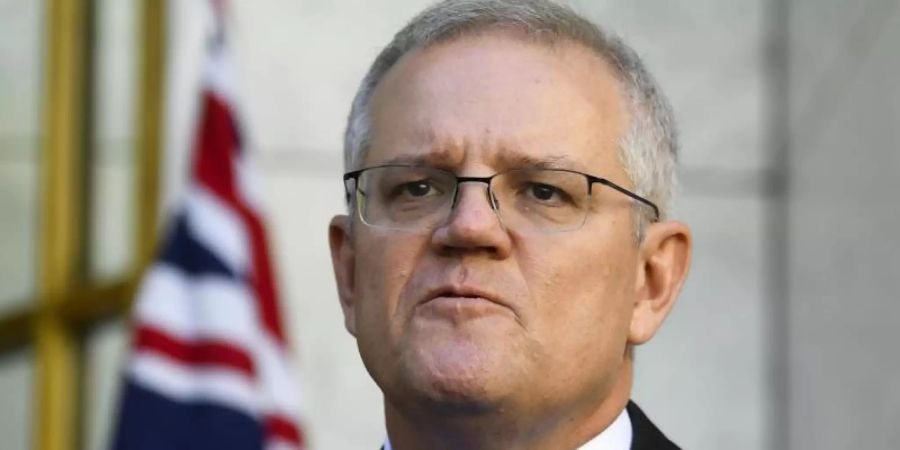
(591, 179)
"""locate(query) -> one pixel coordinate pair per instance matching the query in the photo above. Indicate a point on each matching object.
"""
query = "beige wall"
(21, 47)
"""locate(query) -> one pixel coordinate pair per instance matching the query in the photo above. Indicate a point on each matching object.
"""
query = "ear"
(343, 260)
(663, 260)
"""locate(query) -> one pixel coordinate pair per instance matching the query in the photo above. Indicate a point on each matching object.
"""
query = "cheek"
(581, 293)
(384, 265)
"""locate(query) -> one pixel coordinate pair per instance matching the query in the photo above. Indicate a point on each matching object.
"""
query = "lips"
(463, 292)
(461, 302)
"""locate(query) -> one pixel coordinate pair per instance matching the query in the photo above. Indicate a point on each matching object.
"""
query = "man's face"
(470, 313)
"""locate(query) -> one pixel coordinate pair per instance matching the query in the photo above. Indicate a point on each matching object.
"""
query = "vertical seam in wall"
(777, 237)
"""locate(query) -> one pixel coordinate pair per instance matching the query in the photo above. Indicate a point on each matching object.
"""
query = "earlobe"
(663, 263)
(343, 261)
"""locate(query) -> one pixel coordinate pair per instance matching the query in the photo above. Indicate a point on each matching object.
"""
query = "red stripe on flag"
(196, 353)
(262, 279)
(214, 167)
(284, 429)
(217, 142)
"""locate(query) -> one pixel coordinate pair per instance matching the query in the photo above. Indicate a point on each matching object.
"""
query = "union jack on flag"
(208, 368)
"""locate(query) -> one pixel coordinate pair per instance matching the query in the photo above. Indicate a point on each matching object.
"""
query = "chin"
(459, 376)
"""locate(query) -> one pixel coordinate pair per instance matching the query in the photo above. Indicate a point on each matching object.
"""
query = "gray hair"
(649, 147)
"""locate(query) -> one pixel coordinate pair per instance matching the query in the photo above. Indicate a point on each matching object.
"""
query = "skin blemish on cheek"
(400, 273)
(606, 271)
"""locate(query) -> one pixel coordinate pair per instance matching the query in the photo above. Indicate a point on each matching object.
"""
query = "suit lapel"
(645, 435)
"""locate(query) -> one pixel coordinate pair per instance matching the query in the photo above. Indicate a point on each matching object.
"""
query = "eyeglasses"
(406, 197)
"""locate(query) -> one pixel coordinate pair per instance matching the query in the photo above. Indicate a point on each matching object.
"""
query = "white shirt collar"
(617, 436)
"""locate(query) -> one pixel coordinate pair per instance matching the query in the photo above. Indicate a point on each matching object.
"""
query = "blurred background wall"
(785, 335)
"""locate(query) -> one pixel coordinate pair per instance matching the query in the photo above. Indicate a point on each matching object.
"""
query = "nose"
(473, 225)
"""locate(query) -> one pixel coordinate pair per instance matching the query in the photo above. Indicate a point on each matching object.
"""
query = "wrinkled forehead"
(501, 99)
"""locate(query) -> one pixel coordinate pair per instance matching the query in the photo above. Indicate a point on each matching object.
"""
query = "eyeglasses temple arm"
(615, 186)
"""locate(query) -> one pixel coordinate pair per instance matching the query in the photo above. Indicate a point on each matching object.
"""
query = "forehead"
(497, 99)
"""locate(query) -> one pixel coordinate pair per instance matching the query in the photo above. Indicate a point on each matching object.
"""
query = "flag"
(209, 363)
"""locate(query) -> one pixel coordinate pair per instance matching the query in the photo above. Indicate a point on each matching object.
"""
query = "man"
(510, 168)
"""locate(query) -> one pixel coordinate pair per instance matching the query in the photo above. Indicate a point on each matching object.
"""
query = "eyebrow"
(505, 160)
(516, 160)
(418, 160)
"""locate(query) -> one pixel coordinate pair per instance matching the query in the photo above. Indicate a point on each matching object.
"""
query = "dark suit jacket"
(645, 435)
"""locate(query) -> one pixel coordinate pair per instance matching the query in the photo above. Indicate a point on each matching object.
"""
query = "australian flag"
(208, 369)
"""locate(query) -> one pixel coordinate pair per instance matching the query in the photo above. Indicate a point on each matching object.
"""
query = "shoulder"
(645, 435)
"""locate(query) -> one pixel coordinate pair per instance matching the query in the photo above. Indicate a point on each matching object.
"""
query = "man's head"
(474, 314)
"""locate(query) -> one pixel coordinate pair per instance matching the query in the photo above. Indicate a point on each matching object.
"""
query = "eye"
(415, 189)
(419, 188)
(407, 185)
(543, 192)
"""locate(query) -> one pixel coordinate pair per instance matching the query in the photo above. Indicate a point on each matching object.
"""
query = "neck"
(565, 427)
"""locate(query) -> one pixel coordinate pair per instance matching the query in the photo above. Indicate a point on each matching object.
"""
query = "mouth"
(459, 303)
(463, 294)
